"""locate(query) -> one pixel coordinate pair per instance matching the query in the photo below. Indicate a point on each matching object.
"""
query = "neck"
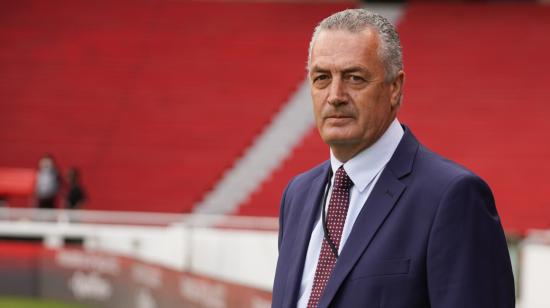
(346, 152)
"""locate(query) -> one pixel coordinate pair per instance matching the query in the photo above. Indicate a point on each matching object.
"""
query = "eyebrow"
(352, 69)
(317, 69)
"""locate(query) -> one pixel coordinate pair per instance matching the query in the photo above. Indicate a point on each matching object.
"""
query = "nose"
(337, 92)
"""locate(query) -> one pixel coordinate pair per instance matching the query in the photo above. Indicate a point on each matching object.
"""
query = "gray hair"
(357, 20)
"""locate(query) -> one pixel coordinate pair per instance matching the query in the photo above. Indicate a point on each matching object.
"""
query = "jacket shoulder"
(306, 177)
(442, 173)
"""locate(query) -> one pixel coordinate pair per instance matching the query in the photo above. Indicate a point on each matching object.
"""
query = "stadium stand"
(152, 100)
(310, 152)
(155, 102)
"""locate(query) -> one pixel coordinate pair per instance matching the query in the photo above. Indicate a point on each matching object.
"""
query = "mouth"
(338, 119)
(339, 116)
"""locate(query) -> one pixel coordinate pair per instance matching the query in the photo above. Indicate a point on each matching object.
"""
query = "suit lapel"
(378, 206)
(310, 211)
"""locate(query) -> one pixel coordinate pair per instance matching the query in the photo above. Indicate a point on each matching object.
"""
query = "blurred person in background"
(385, 222)
(48, 183)
(76, 195)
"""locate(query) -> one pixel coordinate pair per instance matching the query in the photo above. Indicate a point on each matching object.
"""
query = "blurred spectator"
(47, 182)
(75, 194)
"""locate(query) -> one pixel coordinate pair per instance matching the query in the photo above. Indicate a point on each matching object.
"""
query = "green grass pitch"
(19, 302)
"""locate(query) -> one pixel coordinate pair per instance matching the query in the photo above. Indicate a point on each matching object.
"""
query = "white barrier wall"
(243, 257)
(165, 246)
(535, 271)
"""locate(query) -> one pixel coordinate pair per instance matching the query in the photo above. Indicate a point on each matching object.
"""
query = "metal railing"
(137, 218)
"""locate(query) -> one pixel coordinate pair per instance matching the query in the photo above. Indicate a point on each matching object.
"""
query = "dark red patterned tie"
(336, 217)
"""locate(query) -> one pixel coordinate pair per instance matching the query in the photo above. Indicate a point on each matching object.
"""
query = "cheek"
(317, 104)
(317, 111)
(370, 111)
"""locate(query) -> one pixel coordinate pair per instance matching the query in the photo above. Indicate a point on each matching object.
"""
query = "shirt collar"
(363, 167)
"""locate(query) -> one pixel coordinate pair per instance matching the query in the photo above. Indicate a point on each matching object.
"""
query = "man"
(48, 182)
(385, 222)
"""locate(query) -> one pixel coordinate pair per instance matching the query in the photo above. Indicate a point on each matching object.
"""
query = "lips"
(337, 120)
(338, 116)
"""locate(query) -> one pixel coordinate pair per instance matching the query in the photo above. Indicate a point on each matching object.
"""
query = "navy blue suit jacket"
(428, 236)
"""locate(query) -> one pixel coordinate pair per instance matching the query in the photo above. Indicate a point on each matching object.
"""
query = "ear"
(396, 89)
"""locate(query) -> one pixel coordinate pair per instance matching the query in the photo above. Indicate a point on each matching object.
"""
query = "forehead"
(340, 48)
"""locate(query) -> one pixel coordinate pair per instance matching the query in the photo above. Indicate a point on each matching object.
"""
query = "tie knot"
(342, 179)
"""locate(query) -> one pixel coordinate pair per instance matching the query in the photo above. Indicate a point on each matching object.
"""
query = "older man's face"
(353, 104)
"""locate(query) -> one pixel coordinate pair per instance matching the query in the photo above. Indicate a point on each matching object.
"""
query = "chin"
(339, 140)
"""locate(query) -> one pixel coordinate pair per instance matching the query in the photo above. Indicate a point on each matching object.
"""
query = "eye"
(320, 77)
(321, 80)
(356, 79)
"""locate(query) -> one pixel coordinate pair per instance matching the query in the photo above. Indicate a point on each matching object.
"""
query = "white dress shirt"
(364, 170)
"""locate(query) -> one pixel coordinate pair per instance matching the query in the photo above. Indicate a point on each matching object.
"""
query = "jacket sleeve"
(282, 214)
(468, 264)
